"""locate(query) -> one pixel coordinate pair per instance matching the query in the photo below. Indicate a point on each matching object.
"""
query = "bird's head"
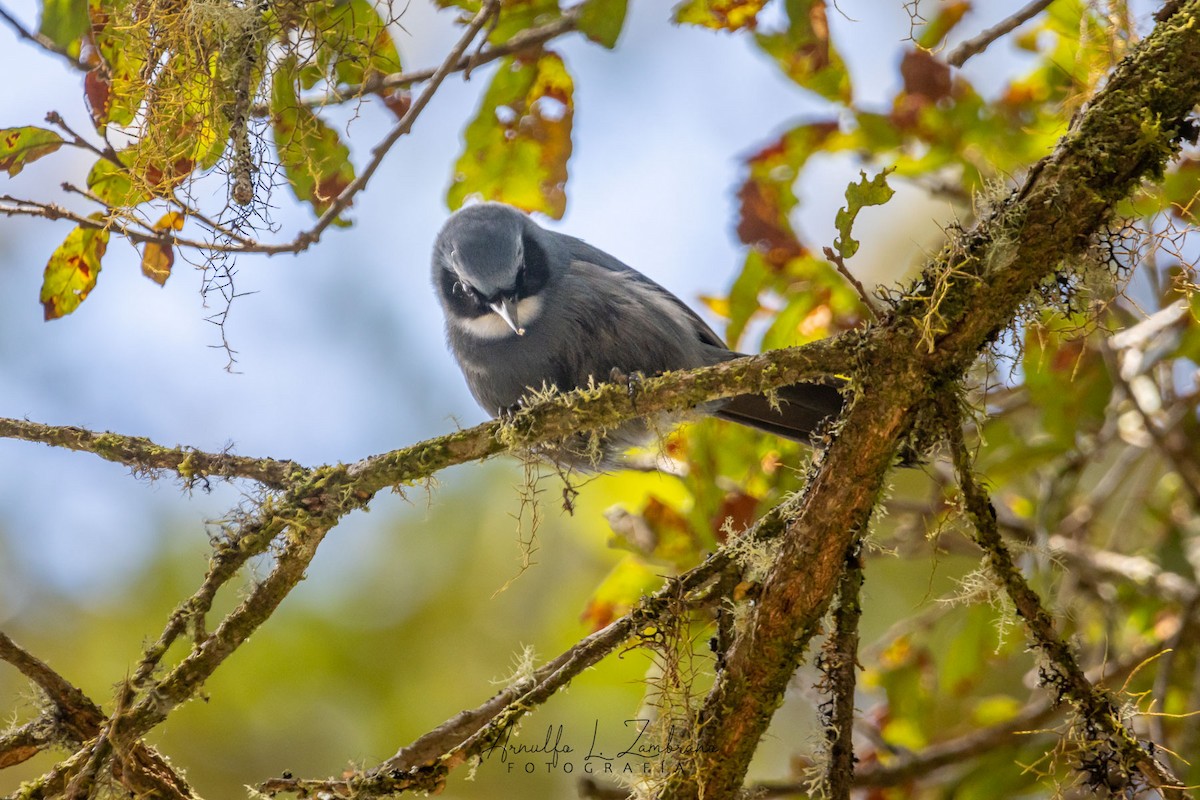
(489, 267)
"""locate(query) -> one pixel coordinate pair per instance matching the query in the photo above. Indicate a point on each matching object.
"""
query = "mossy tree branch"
(545, 422)
(968, 294)
(1114, 754)
(78, 720)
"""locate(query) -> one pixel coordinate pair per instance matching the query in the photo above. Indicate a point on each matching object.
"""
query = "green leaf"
(948, 16)
(1181, 190)
(144, 173)
(806, 54)
(743, 296)
(115, 87)
(72, 270)
(351, 42)
(515, 15)
(518, 144)
(19, 146)
(114, 185)
(729, 15)
(602, 20)
(616, 594)
(65, 22)
(315, 161)
(873, 192)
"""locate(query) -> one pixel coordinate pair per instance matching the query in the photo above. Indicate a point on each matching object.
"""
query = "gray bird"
(527, 308)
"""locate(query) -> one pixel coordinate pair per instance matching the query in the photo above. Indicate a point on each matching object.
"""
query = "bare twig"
(977, 44)
(840, 263)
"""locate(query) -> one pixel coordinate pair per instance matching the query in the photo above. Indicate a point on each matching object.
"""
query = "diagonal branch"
(306, 238)
(977, 44)
(1100, 711)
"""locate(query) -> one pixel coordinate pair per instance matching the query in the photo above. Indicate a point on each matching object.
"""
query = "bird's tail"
(800, 409)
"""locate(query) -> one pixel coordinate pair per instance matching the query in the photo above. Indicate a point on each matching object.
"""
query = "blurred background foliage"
(414, 611)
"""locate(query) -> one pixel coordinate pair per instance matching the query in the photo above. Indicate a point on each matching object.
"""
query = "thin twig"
(840, 263)
(977, 44)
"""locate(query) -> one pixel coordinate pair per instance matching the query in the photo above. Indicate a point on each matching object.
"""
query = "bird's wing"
(582, 251)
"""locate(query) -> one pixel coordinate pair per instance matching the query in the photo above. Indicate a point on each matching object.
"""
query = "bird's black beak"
(506, 307)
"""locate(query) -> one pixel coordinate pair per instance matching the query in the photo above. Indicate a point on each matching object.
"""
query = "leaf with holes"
(518, 145)
(873, 192)
(315, 161)
(729, 15)
(159, 257)
(19, 146)
(602, 20)
(72, 270)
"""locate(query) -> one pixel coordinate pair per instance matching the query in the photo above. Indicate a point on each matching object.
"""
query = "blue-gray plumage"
(526, 307)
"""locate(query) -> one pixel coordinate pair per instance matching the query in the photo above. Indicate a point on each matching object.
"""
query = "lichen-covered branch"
(547, 421)
(839, 663)
(967, 295)
(77, 721)
(146, 457)
(1116, 754)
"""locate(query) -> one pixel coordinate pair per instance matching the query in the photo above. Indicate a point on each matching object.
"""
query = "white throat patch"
(491, 326)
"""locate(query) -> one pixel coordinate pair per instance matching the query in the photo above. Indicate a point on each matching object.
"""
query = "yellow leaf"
(72, 270)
